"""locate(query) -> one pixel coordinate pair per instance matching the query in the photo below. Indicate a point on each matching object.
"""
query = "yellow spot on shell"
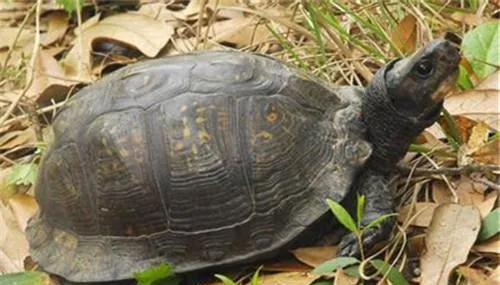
(124, 152)
(194, 149)
(200, 120)
(184, 108)
(272, 116)
(264, 135)
(186, 132)
(178, 146)
(204, 136)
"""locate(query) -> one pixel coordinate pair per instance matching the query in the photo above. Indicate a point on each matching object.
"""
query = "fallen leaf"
(239, 31)
(489, 153)
(287, 278)
(489, 246)
(482, 45)
(451, 234)
(291, 265)
(9, 36)
(470, 192)
(420, 214)
(315, 255)
(473, 275)
(405, 35)
(487, 205)
(441, 193)
(343, 279)
(490, 225)
(14, 246)
(478, 136)
(194, 7)
(471, 19)
(25, 138)
(49, 80)
(133, 29)
(23, 206)
(480, 103)
(494, 277)
(57, 26)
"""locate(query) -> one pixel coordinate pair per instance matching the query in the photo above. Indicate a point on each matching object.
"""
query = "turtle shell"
(199, 160)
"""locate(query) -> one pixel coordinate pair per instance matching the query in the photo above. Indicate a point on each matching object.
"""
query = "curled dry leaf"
(287, 278)
(23, 206)
(419, 214)
(489, 153)
(405, 35)
(240, 31)
(142, 32)
(473, 275)
(451, 234)
(490, 246)
(57, 26)
(315, 255)
(480, 103)
(49, 80)
(14, 245)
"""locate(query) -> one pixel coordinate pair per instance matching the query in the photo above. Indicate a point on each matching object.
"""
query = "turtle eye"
(424, 68)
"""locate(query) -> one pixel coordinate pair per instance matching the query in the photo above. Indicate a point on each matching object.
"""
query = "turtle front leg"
(379, 202)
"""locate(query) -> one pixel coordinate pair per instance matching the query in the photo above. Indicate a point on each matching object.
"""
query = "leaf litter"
(72, 55)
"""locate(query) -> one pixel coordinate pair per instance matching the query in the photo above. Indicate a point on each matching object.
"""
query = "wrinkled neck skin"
(389, 131)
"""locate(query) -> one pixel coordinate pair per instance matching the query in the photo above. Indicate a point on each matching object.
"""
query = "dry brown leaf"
(48, 79)
(470, 192)
(9, 35)
(450, 237)
(405, 35)
(489, 246)
(144, 33)
(478, 136)
(473, 275)
(288, 278)
(421, 213)
(57, 26)
(239, 31)
(494, 277)
(489, 153)
(14, 246)
(471, 19)
(463, 124)
(23, 206)
(315, 255)
(481, 103)
(441, 193)
(25, 138)
(290, 265)
(343, 279)
(487, 205)
(193, 8)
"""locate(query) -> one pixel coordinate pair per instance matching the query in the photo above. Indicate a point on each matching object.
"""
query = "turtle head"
(416, 85)
(405, 97)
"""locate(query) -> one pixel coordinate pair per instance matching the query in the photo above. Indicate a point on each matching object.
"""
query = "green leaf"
(255, 277)
(378, 220)
(393, 274)
(490, 225)
(334, 264)
(360, 209)
(25, 278)
(322, 282)
(463, 78)
(342, 215)
(482, 47)
(225, 280)
(70, 5)
(23, 174)
(352, 271)
(162, 274)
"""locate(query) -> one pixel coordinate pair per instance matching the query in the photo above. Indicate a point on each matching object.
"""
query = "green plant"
(229, 281)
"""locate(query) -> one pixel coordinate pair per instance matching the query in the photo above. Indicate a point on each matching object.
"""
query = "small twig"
(487, 182)
(463, 170)
(201, 14)
(13, 44)
(36, 47)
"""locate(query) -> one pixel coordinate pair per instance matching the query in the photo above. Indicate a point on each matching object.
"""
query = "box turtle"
(221, 157)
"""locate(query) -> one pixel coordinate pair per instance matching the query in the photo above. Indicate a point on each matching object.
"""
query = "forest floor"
(447, 186)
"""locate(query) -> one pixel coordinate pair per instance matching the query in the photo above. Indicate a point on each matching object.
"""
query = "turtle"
(216, 158)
